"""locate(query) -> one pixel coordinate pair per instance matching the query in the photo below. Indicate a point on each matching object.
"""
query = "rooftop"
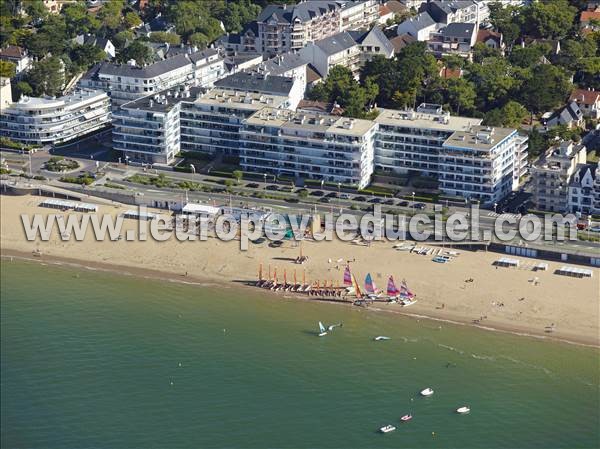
(283, 63)
(257, 82)
(13, 51)
(240, 99)
(52, 102)
(310, 121)
(163, 101)
(336, 43)
(584, 96)
(426, 117)
(305, 11)
(421, 21)
(482, 138)
(460, 30)
(150, 71)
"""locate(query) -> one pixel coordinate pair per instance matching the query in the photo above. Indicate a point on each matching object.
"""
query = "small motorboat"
(406, 418)
(462, 410)
(381, 338)
(426, 392)
(333, 326)
(322, 330)
(387, 429)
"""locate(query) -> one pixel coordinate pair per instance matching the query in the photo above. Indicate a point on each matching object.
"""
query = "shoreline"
(207, 281)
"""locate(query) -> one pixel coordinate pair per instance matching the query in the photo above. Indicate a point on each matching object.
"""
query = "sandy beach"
(506, 298)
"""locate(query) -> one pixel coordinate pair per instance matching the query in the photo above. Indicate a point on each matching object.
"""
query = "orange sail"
(357, 290)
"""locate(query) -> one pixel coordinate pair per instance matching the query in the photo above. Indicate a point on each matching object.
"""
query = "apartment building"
(584, 190)
(211, 123)
(372, 42)
(125, 82)
(55, 120)
(147, 130)
(552, 176)
(283, 28)
(469, 160)
(289, 65)
(306, 145)
(339, 49)
(455, 39)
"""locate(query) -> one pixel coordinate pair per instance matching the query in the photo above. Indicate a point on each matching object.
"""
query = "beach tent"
(66, 204)
(200, 210)
(507, 262)
(567, 270)
(134, 214)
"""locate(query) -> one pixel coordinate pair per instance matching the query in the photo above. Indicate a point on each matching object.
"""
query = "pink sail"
(392, 290)
(369, 284)
(347, 276)
(405, 291)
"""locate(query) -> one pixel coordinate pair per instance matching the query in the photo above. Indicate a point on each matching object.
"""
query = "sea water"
(95, 359)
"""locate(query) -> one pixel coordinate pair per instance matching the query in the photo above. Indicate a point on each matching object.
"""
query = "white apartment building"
(147, 130)
(584, 190)
(55, 120)
(552, 176)
(304, 145)
(340, 49)
(469, 160)
(289, 65)
(128, 82)
(211, 122)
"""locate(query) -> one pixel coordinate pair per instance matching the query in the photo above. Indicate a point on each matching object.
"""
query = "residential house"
(371, 43)
(584, 190)
(454, 11)
(18, 56)
(102, 43)
(454, 39)
(411, 4)
(289, 65)
(385, 14)
(421, 27)
(158, 23)
(399, 42)
(588, 101)
(491, 39)
(552, 175)
(569, 116)
(340, 49)
(589, 21)
(553, 44)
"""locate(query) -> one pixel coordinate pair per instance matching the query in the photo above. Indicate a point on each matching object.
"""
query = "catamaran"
(322, 330)
(392, 291)
(407, 296)
(370, 288)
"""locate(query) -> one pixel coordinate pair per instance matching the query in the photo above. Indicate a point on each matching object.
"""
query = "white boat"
(387, 429)
(381, 338)
(408, 302)
(406, 418)
(462, 410)
(426, 392)
(333, 326)
(322, 330)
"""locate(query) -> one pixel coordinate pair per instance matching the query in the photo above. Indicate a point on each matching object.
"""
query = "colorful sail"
(392, 290)
(369, 284)
(347, 276)
(357, 290)
(405, 291)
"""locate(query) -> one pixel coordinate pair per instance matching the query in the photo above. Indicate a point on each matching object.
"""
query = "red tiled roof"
(586, 16)
(396, 7)
(484, 35)
(447, 73)
(384, 10)
(585, 96)
(399, 42)
(12, 51)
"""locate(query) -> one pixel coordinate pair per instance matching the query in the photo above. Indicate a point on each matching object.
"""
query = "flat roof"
(313, 122)
(67, 204)
(241, 99)
(193, 208)
(478, 138)
(417, 119)
(164, 100)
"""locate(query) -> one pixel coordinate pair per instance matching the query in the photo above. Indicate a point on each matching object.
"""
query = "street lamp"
(495, 206)
(339, 194)
(265, 181)
(413, 203)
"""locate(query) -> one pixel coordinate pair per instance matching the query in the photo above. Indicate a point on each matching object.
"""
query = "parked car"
(292, 200)
(324, 200)
(317, 193)
(252, 185)
(402, 203)
(272, 187)
(288, 189)
(389, 202)
(375, 200)
(420, 206)
(595, 229)
(344, 196)
(331, 195)
(360, 198)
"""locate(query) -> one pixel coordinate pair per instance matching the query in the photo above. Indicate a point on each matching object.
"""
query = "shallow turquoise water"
(92, 359)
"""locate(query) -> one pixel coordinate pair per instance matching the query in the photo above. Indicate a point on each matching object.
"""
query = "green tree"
(84, 56)
(461, 94)
(7, 69)
(494, 82)
(36, 9)
(132, 20)
(537, 143)
(139, 51)
(482, 51)
(505, 20)
(547, 89)
(549, 19)
(47, 76)
(238, 175)
(111, 15)
(236, 15)
(200, 40)
(23, 88)
(528, 56)
(510, 115)
(162, 36)
(121, 39)
(78, 20)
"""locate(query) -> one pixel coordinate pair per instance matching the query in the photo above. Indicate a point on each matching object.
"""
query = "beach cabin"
(237, 213)
(136, 215)
(66, 204)
(507, 262)
(200, 210)
(567, 270)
